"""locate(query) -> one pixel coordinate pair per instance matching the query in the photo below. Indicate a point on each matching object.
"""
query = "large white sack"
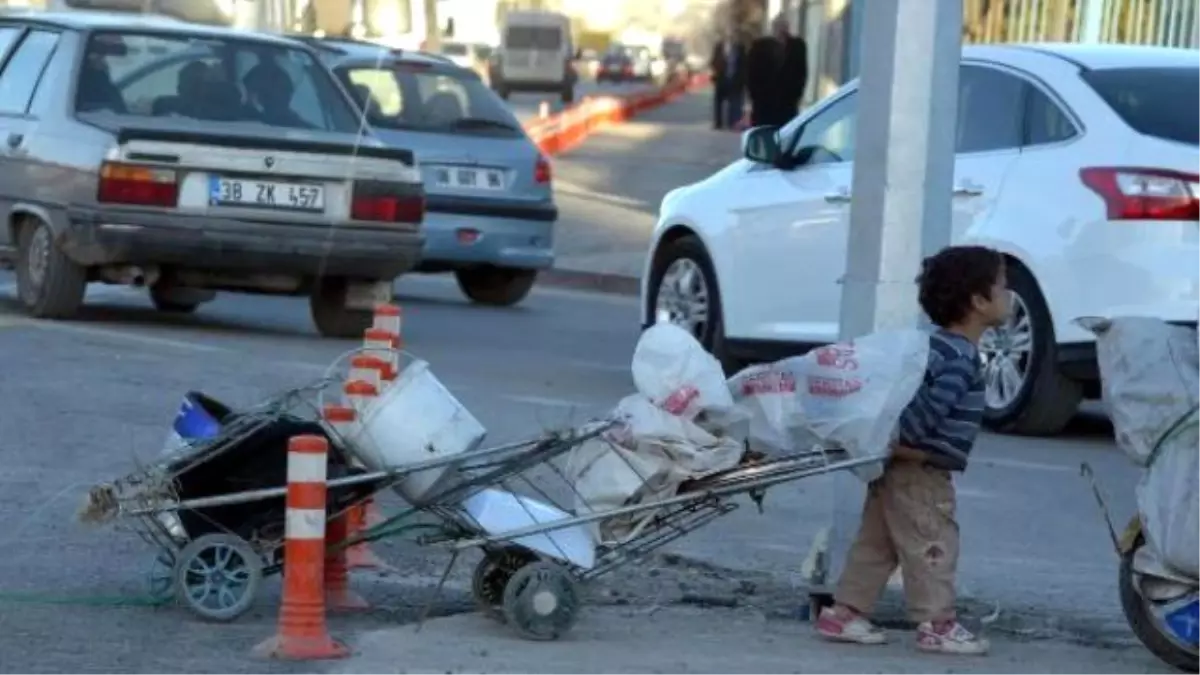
(1150, 378)
(1169, 499)
(848, 395)
(641, 460)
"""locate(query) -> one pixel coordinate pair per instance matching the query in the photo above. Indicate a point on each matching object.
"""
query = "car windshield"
(214, 80)
(1151, 99)
(422, 98)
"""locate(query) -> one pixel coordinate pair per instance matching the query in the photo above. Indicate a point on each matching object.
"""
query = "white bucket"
(415, 420)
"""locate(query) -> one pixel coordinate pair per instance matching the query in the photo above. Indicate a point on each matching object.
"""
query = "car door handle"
(840, 196)
(15, 140)
(967, 188)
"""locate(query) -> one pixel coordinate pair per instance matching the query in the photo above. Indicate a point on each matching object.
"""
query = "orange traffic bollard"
(302, 633)
(337, 568)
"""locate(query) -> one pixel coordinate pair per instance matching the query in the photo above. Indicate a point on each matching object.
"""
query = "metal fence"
(1168, 23)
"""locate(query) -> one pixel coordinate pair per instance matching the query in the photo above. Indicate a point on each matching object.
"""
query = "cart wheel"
(541, 601)
(217, 576)
(492, 575)
(162, 577)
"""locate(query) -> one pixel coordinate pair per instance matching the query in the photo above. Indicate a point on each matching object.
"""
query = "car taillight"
(1132, 193)
(387, 208)
(140, 185)
(541, 170)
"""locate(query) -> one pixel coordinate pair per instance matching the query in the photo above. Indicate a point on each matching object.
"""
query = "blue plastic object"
(1185, 622)
(193, 422)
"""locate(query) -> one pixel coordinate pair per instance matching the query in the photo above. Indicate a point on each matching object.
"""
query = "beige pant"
(908, 521)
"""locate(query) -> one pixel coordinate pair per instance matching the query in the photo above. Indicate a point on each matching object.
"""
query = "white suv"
(1079, 162)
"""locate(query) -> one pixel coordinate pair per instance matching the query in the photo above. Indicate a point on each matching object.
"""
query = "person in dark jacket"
(728, 65)
(777, 67)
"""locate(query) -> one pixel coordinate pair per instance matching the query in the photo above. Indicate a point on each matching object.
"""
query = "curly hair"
(951, 279)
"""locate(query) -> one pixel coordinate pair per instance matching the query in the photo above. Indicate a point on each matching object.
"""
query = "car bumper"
(455, 240)
(103, 237)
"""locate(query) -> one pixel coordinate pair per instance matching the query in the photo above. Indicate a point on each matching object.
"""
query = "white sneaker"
(950, 637)
(855, 630)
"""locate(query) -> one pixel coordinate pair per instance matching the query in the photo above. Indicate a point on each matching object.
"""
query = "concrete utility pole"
(433, 27)
(903, 177)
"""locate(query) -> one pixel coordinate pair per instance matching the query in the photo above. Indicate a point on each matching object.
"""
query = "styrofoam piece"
(415, 420)
(499, 511)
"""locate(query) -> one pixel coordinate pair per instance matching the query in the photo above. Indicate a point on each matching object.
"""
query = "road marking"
(595, 365)
(547, 402)
(1031, 466)
(109, 333)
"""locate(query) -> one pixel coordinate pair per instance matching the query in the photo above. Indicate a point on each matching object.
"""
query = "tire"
(496, 286)
(57, 291)
(1046, 400)
(238, 562)
(711, 334)
(330, 314)
(163, 303)
(492, 575)
(1143, 624)
(541, 601)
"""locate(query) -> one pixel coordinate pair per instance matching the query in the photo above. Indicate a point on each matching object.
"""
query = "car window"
(454, 49)
(1150, 99)
(1045, 121)
(8, 37)
(533, 37)
(23, 70)
(827, 138)
(989, 110)
(399, 96)
(217, 80)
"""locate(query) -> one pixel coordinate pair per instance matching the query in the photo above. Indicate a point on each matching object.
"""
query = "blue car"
(490, 209)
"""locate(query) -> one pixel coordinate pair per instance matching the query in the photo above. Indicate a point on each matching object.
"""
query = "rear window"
(214, 80)
(1158, 102)
(534, 37)
(419, 98)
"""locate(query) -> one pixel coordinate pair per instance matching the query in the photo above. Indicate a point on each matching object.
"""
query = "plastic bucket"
(415, 420)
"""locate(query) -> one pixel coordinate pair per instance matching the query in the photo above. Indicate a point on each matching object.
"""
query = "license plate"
(466, 178)
(265, 194)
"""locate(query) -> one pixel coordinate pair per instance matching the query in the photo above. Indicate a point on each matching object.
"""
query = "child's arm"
(925, 414)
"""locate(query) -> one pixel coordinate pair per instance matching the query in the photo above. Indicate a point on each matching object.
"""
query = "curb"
(595, 282)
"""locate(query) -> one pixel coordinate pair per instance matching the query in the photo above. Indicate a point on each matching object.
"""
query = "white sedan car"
(1079, 162)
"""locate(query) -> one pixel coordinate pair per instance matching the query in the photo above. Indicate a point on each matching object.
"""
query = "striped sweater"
(943, 418)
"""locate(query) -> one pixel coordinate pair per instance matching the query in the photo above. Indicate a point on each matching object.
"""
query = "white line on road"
(547, 402)
(1031, 466)
(96, 331)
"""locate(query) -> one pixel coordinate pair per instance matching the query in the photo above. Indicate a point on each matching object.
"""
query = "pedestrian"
(908, 519)
(728, 65)
(777, 66)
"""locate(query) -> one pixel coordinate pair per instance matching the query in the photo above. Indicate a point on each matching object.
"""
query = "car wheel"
(50, 285)
(1024, 391)
(683, 291)
(498, 286)
(331, 315)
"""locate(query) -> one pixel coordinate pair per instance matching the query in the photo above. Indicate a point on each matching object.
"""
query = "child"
(908, 518)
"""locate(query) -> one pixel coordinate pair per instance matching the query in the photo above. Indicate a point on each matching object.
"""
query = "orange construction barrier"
(302, 633)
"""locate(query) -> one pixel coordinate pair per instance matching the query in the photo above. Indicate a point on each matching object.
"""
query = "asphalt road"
(85, 399)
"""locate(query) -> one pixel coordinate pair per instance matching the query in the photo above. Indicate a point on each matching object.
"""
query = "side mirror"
(761, 145)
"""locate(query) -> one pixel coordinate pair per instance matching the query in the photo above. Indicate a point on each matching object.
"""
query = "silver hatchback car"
(191, 159)
(489, 210)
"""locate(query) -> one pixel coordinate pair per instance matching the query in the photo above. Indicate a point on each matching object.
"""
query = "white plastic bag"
(1169, 499)
(671, 431)
(672, 370)
(1150, 375)
(847, 395)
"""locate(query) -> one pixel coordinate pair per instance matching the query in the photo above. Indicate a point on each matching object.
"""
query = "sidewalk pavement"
(609, 188)
(693, 640)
